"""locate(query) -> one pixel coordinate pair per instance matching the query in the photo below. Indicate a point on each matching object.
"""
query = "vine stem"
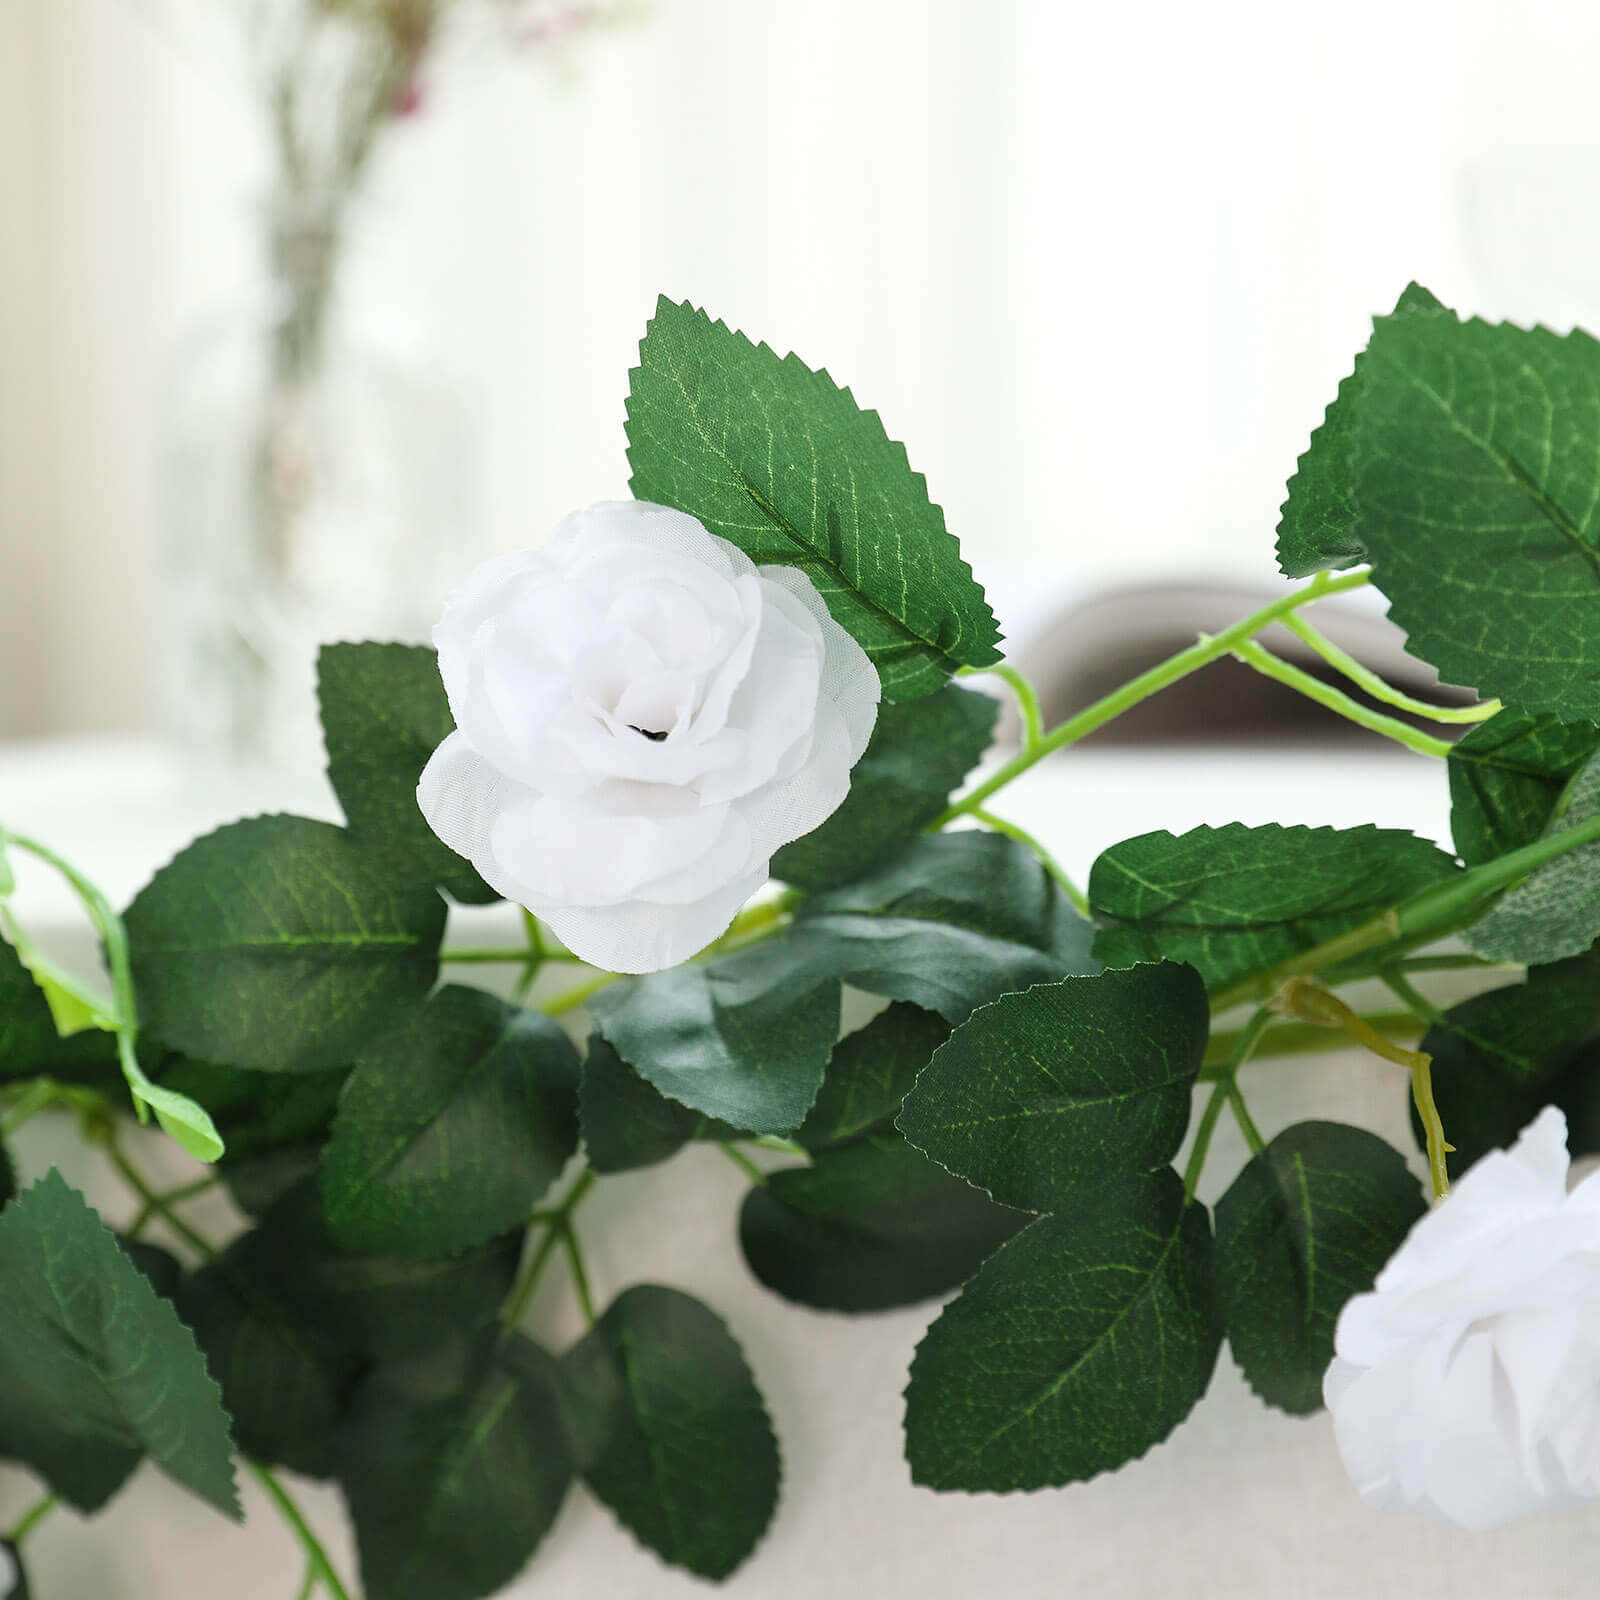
(1027, 698)
(744, 1164)
(155, 1203)
(316, 1556)
(1422, 1082)
(32, 1517)
(556, 1223)
(1076, 895)
(1160, 676)
(1226, 1089)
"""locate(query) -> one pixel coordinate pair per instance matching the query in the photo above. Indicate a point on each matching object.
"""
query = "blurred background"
(306, 305)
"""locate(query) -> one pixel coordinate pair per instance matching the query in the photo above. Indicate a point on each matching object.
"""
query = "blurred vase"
(312, 490)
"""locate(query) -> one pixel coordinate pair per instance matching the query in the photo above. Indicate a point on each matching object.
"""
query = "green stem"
(308, 1583)
(571, 999)
(1297, 1039)
(1161, 676)
(31, 1518)
(1026, 696)
(156, 1203)
(1241, 1115)
(744, 1164)
(1076, 895)
(556, 1224)
(776, 1141)
(37, 1097)
(1366, 678)
(505, 956)
(316, 1556)
(1244, 1045)
(1270, 666)
(580, 1273)
(1422, 1084)
(168, 1198)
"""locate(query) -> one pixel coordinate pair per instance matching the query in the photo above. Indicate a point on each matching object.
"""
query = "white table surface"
(1240, 1502)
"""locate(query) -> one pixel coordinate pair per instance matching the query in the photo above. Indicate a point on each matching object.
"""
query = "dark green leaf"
(956, 920)
(743, 1038)
(1065, 1084)
(451, 1127)
(780, 461)
(870, 1074)
(671, 1431)
(1234, 900)
(920, 752)
(869, 1226)
(384, 713)
(96, 1360)
(280, 945)
(1477, 449)
(1317, 528)
(1086, 1340)
(1554, 911)
(1507, 777)
(626, 1123)
(1307, 1224)
(8, 1177)
(450, 1496)
(29, 1043)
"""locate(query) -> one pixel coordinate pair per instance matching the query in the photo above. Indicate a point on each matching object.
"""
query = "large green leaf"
(1318, 525)
(743, 1038)
(384, 713)
(920, 752)
(279, 944)
(1555, 910)
(1477, 449)
(1307, 1224)
(783, 463)
(451, 1494)
(870, 1074)
(1084, 1341)
(626, 1123)
(867, 1226)
(1233, 900)
(94, 1363)
(956, 920)
(1507, 778)
(451, 1127)
(1042, 1092)
(671, 1431)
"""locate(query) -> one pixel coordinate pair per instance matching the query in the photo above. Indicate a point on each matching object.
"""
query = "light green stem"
(1369, 680)
(580, 1273)
(1249, 1036)
(31, 1518)
(1422, 1083)
(1076, 895)
(556, 1224)
(37, 1097)
(316, 1556)
(1241, 1115)
(1159, 677)
(308, 1584)
(744, 1164)
(1027, 698)
(505, 956)
(1270, 666)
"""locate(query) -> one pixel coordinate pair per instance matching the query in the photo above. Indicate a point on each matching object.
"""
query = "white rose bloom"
(1466, 1386)
(643, 717)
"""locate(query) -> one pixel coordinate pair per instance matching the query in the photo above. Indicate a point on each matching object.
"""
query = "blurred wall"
(1100, 267)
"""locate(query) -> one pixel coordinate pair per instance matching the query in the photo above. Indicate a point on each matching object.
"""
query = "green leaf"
(180, 1117)
(782, 462)
(868, 1226)
(451, 1127)
(1318, 525)
(626, 1123)
(1084, 1341)
(1555, 910)
(870, 1074)
(1477, 449)
(28, 1036)
(671, 1431)
(743, 1038)
(285, 1383)
(1065, 1084)
(258, 1112)
(1307, 1224)
(1507, 778)
(919, 753)
(956, 920)
(8, 1177)
(384, 713)
(279, 944)
(451, 1495)
(102, 1359)
(1234, 900)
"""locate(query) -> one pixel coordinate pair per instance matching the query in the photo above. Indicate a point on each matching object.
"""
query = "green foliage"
(780, 461)
(955, 921)
(279, 944)
(869, 1225)
(1084, 1341)
(384, 713)
(1477, 453)
(670, 1430)
(8, 1176)
(919, 753)
(1307, 1224)
(451, 1127)
(870, 1074)
(1507, 779)
(1233, 900)
(452, 1492)
(1067, 1084)
(95, 1368)
(1318, 527)
(626, 1123)
(29, 1043)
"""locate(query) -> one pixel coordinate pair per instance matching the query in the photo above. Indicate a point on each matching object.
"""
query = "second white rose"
(643, 717)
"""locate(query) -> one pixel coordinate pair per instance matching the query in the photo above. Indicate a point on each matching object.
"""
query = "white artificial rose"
(1466, 1386)
(643, 716)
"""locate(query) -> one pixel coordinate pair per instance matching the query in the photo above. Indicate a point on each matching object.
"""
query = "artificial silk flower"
(643, 717)
(1466, 1386)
